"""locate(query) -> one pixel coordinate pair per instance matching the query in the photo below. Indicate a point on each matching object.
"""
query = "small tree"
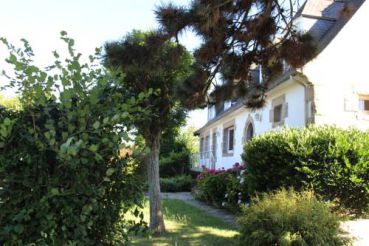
(62, 181)
(147, 63)
(236, 35)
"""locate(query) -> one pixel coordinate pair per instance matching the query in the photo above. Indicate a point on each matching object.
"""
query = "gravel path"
(218, 213)
(358, 229)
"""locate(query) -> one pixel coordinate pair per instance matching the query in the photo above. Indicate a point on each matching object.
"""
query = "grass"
(187, 225)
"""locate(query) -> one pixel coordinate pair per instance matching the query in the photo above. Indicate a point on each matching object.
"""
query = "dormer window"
(211, 112)
(227, 105)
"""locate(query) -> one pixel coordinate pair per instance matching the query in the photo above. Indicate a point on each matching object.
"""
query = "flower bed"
(223, 188)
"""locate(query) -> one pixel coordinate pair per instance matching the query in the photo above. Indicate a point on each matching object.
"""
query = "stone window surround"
(226, 126)
(279, 101)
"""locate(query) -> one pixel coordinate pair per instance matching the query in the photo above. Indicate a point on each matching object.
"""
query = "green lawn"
(187, 225)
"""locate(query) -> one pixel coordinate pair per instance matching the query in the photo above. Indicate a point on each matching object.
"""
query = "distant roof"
(323, 19)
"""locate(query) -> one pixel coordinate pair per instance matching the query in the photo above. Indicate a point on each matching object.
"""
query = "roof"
(323, 19)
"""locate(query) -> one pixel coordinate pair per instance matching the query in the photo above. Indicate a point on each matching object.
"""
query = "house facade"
(332, 89)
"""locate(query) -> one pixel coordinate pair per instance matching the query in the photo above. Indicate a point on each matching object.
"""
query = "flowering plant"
(222, 187)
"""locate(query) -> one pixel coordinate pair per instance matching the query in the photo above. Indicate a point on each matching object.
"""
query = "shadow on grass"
(187, 225)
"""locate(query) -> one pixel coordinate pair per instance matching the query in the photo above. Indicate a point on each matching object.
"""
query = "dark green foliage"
(176, 163)
(212, 188)
(176, 184)
(150, 64)
(333, 161)
(288, 218)
(237, 35)
(236, 193)
(62, 181)
(174, 154)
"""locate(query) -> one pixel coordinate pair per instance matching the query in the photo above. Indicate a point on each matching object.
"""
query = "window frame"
(363, 102)
(281, 104)
(226, 151)
(229, 129)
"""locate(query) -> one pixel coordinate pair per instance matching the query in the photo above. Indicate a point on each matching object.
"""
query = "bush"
(333, 161)
(289, 218)
(62, 180)
(222, 188)
(176, 163)
(176, 184)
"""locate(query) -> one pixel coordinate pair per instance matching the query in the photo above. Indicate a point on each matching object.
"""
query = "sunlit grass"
(187, 225)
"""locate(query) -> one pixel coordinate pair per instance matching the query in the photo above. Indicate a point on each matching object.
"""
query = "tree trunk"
(156, 216)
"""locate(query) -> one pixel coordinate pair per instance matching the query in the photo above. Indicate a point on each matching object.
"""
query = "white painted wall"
(295, 96)
(340, 73)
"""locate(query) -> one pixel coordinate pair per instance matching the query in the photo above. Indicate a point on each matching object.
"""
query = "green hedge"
(289, 218)
(176, 184)
(333, 161)
(176, 163)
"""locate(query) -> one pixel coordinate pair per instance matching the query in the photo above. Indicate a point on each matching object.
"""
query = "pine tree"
(237, 35)
(151, 68)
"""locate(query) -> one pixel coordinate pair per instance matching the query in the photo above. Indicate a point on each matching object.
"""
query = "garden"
(90, 143)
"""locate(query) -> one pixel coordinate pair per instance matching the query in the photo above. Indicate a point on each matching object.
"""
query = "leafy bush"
(61, 177)
(176, 184)
(174, 164)
(176, 146)
(289, 218)
(222, 188)
(333, 161)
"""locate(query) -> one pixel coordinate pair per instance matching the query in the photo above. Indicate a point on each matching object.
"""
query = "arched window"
(249, 132)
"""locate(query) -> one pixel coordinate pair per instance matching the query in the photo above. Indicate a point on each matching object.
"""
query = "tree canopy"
(237, 35)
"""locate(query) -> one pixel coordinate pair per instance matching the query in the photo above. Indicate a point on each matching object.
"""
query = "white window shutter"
(284, 110)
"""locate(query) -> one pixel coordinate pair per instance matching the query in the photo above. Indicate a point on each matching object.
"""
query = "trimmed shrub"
(176, 184)
(333, 161)
(286, 217)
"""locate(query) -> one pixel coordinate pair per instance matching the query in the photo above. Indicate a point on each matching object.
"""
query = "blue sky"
(89, 22)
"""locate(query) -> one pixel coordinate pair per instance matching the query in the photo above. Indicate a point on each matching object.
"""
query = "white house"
(331, 89)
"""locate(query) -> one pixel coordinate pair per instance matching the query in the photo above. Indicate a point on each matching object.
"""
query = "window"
(249, 132)
(228, 141)
(201, 145)
(227, 105)
(277, 113)
(211, 112)
(207, 143)
(214, 144)
(364, 104)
